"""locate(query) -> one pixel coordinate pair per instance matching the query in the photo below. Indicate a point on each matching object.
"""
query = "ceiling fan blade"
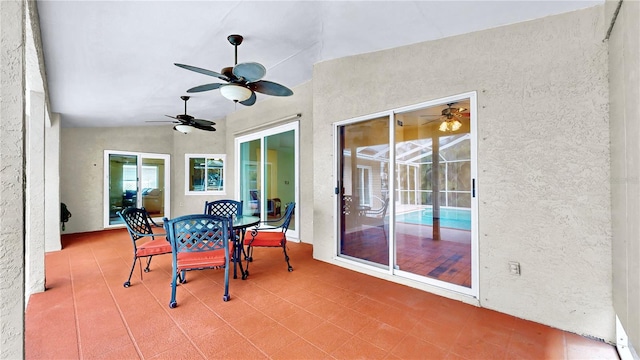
(205, 87)
(204, 127)
(249, 71)
(180, 121)
(270, 88)
(250, 101)
(202, 71)
(203, 122)
(162, 121)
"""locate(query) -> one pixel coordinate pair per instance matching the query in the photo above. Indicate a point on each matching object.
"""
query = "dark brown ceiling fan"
(185, 122)
(242, 80)
(449, 114)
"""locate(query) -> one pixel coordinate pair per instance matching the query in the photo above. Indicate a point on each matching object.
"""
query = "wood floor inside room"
(318, 311)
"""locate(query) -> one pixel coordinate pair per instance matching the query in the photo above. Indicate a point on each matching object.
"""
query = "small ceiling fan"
(243, 80)
(450, 117)
(186, 122)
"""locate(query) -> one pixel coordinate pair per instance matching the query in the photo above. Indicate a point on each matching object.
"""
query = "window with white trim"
(204, 174)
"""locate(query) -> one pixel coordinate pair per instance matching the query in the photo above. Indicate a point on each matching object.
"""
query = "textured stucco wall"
(82, 163)
(35, 194)
(543, 155)
(249, 119)
(12, 117)
(624, 112)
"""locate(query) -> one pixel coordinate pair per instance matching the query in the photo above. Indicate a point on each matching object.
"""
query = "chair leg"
(286, 257)
(148, 264)
(133, 266)
(174, 279)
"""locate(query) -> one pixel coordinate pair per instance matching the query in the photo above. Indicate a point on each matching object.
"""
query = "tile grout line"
(168, 312)
(115, 302)
(75, 309)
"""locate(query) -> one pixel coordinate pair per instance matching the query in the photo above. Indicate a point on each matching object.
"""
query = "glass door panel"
(122, 184)
(363, 175)
(279, 175)
(153, 187)
(250, 184)
(433, 192)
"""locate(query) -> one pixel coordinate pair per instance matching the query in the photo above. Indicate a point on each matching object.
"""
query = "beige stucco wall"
(543, 156)
(12, 120)
(624, 112)
(251, 119)
(82, 166)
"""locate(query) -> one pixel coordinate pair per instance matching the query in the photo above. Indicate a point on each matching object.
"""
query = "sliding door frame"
(294, 232)
(392, 270)
(139, 157)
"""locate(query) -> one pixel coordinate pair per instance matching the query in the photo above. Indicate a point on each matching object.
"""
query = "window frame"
(187, 174)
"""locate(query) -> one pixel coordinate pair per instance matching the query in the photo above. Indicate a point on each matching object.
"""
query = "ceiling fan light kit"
(235, 92)
(185, 129)
(450, 125)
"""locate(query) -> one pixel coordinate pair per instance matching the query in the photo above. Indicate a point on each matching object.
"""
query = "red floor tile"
(318, 311)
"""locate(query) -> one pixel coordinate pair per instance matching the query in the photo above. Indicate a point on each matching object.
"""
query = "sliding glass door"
(268, 173)
(135, 179)
(406, 193)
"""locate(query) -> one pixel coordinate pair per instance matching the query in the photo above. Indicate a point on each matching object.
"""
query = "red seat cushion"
(154, 247)
(267, 239)
(202, 259)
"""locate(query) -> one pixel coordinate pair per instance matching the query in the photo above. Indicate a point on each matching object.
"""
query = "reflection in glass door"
(136, 179)
(409, 208)
(433, 186)
(268, 173)
(364, 193)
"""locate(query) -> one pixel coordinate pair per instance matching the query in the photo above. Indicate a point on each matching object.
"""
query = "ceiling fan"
(450, 117)
(186, 122)
(242, 80)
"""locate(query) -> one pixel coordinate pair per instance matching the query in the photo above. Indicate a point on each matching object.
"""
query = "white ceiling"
(110, 63)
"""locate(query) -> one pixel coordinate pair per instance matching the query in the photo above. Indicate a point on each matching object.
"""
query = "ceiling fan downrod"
(235, 40)
(185, 98)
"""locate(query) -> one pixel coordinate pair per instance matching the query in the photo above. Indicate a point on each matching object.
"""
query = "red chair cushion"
(202, 259)
(154, 247)
(266, 239)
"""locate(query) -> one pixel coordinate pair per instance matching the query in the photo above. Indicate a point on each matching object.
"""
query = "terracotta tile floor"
(318, 311)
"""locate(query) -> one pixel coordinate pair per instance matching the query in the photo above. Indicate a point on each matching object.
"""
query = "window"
(204, 174)
(364, 180)
(130, 177)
